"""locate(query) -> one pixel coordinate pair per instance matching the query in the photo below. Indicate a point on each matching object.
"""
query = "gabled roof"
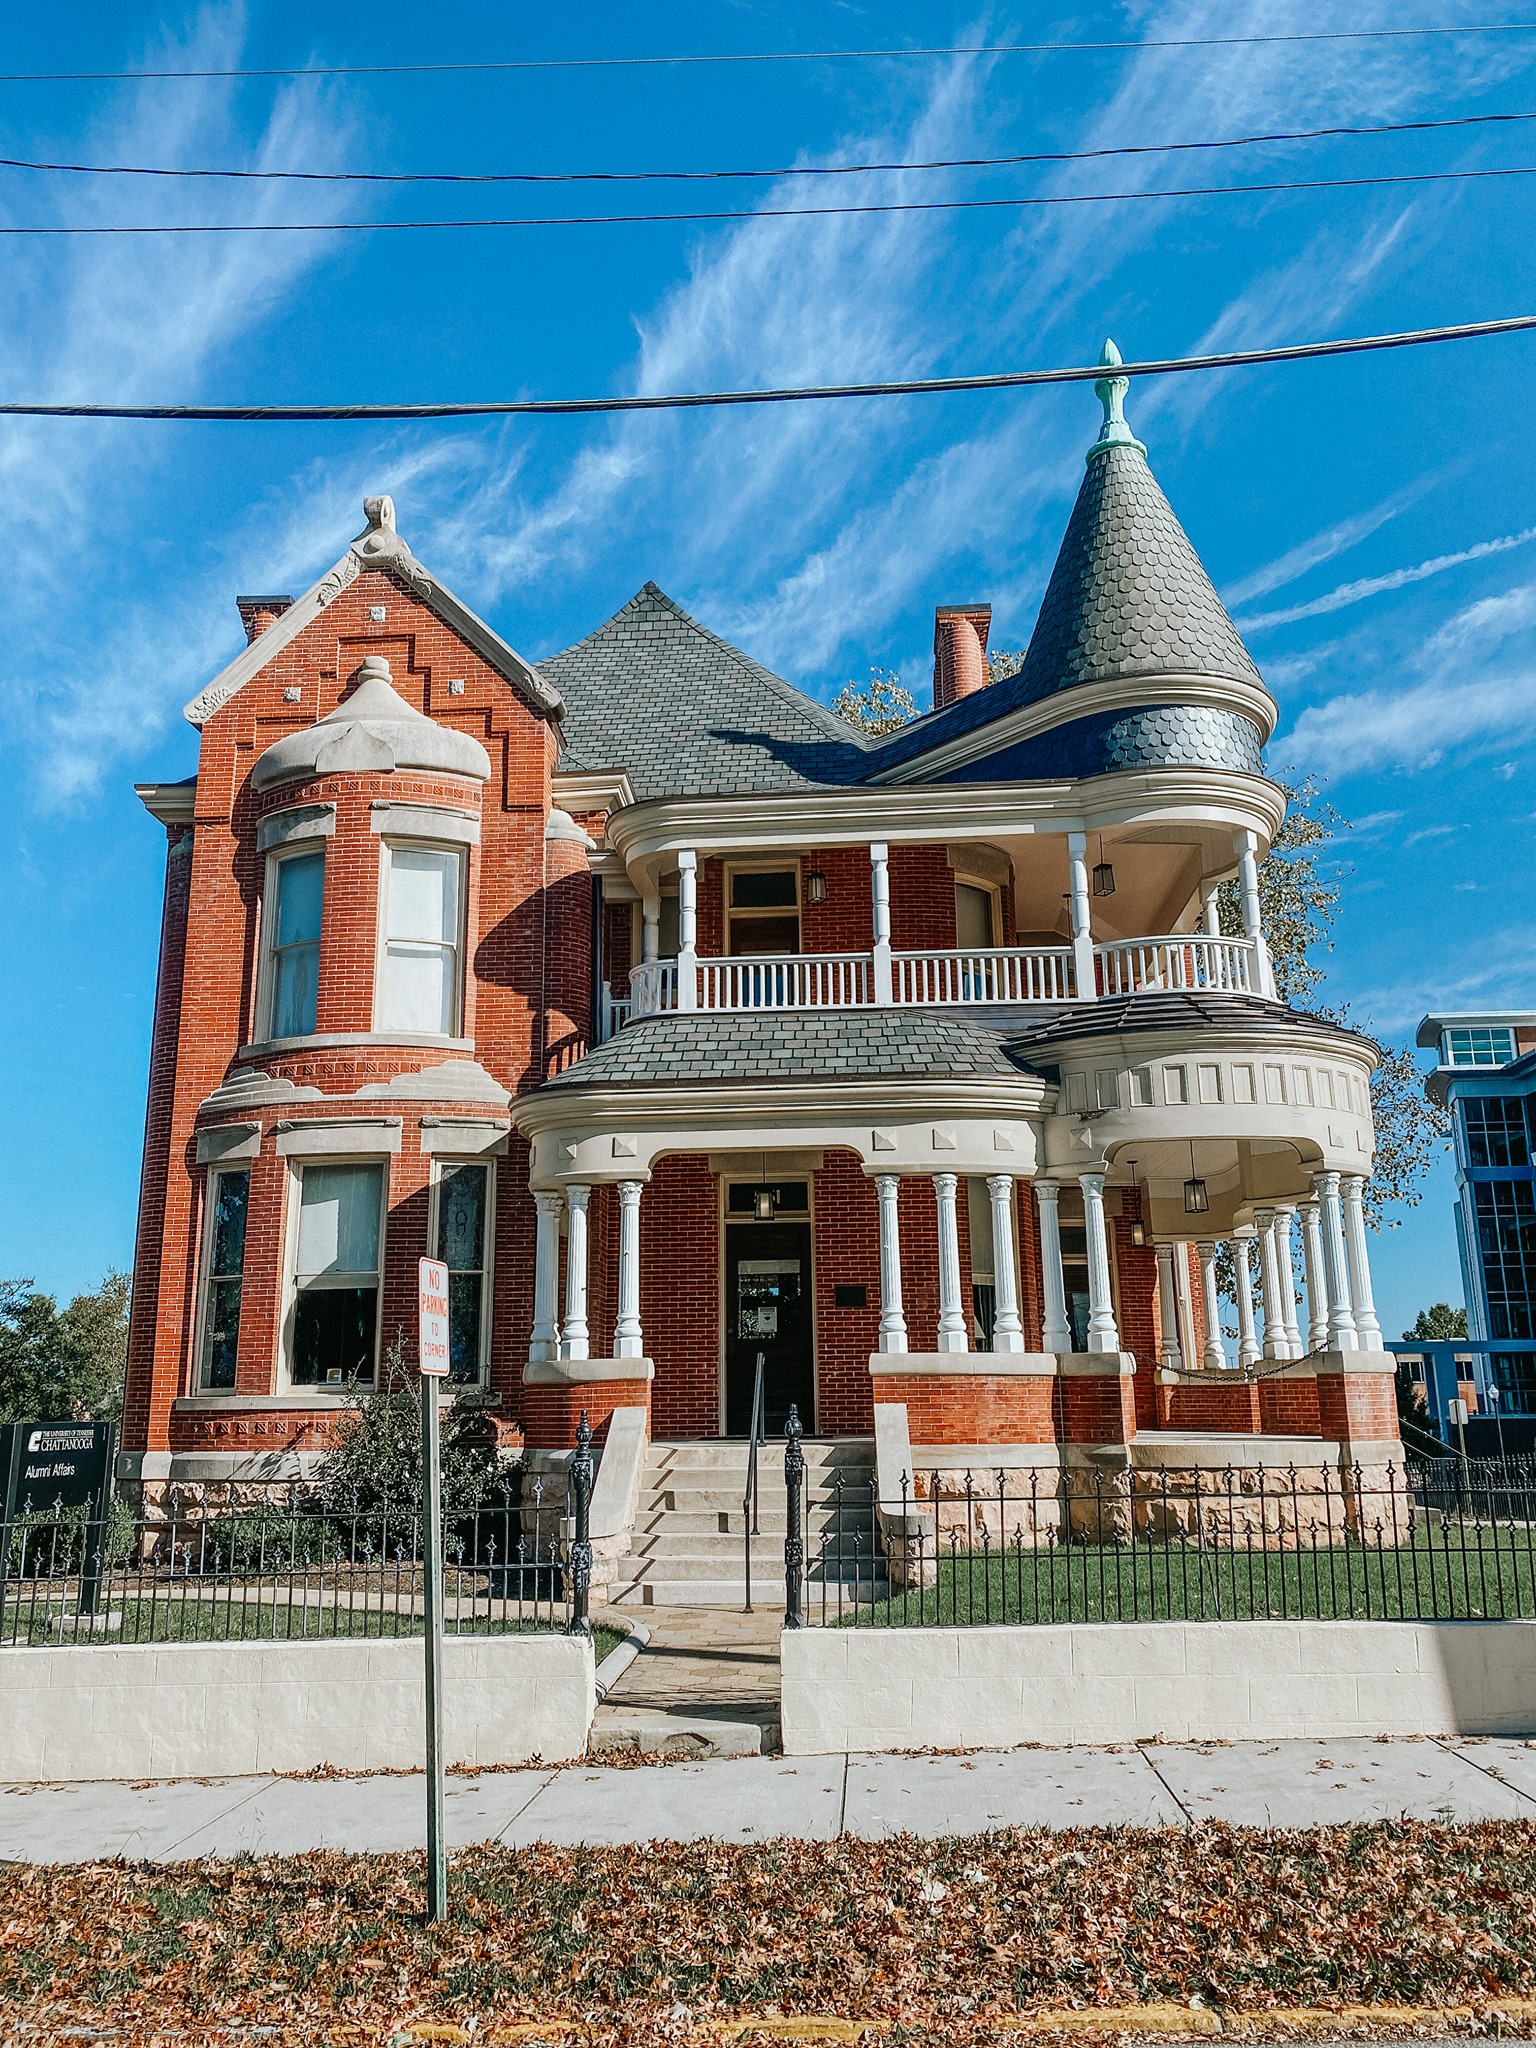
(654, 692)
(378, 546)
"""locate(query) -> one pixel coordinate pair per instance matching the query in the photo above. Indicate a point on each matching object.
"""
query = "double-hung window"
(422, 925)
(293, 969)
(463, 1243)
(337, 1244)
(228, 1197)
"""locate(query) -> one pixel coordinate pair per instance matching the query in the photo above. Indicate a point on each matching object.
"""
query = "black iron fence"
(944, 1548)
(230, 1565)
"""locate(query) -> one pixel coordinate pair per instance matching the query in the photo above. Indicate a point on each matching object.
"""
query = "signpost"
(48, 1465)
(433, 1355)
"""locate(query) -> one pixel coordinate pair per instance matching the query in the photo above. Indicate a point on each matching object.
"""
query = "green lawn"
(1485, 1574)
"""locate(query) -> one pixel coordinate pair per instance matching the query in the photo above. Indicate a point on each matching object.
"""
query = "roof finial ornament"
(1114, 433)
(380, 512)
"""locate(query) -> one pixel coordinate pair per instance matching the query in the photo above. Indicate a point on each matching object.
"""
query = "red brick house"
(688, 1023)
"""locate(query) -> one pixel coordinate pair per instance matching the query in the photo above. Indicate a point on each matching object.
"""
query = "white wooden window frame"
(965, 878)
(266, 926)
(290, 1291)
(211, 1180)
(447, 1163)
(389, 846)
(782, 866)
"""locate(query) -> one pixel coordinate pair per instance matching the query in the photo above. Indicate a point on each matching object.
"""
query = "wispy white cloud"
(1322, 547)
(1367, 730)
(1394, 579)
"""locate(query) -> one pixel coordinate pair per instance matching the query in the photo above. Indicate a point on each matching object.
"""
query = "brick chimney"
(257, 613)
(959, 651)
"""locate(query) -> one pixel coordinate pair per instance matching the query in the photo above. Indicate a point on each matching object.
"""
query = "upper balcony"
(998, 977)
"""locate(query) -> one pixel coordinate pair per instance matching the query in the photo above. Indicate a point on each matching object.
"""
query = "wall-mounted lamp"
(815, 886)
(1197, 1198)
(1103, 874)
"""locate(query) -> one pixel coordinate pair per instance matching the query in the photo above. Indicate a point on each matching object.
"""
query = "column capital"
(549, 1200)
(1047, 1192)
(1326, 1183)
(999, 1183)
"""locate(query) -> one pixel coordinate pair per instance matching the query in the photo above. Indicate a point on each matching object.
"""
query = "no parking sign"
(432, 1334)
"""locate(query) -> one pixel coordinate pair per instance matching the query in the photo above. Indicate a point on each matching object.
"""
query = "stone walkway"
(753, 1799)
(707, 1683)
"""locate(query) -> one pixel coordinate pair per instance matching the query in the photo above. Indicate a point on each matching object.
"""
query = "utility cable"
(952, 163)
(743, 213)
(1107, 44)
(1003, 380)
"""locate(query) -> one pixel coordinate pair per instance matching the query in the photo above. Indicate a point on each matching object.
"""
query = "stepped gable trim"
(735, 1047)
(1174, 1010)
(378, 546)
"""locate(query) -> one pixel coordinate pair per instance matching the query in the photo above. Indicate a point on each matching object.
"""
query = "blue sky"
(1370, 522)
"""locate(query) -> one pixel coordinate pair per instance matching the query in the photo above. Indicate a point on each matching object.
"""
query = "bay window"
(462, 1239)
(337, 1241)
(422, 914)
(228, 1198)
(295, 892)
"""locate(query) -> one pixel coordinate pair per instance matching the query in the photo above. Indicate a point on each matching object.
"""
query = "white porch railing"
(944, 979)
(1002, 974)
(1186, 963)
(789, 981)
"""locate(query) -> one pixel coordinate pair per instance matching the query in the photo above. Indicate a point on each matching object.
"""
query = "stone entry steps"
(688, 1540)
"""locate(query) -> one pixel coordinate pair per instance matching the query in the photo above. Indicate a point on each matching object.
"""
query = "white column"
(1317, 1287)
(1056, 1334)
(544, 1339)
(893, 1321)
(1367, 1328)
(1007, 1330)
(1269, 1285)
(574, 1341)
(687, 946)
(1248, 890)
(1213, 1357)
(1285, 1273)
(1210, 906)
(628, 1341)
(1169, 1355)
(1248, 1352)
(1082, 939)
(880, 909)
(1341, 1315)
(650, 927)
(953, 1335)
(1102, 1334)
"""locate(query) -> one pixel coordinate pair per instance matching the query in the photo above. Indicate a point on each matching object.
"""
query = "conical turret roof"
(1128, 595)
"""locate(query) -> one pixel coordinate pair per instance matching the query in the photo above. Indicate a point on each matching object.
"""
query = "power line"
(1360, 35)
(955, 163)
(589, 220)
(1003, 380)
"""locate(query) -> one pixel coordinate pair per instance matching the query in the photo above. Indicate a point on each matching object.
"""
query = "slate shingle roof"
(1165, 1010)
(655, 693)
(770, 1045)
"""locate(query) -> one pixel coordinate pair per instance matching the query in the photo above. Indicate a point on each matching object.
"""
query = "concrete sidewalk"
(751, 1799)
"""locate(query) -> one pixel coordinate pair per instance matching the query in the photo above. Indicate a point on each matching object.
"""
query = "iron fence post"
(794, 1546)
(581, 1548)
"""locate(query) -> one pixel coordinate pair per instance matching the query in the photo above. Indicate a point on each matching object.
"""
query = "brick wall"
(1358, 1406)
(680, 1295)
(977, 1408)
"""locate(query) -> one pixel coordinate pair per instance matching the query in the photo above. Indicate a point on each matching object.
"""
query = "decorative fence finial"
(1114, 433)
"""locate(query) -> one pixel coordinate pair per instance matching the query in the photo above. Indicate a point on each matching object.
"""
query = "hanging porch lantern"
(1197, 1200)
(816, 886)
(765, 1199)
(1138, 1221)
(1103, 873)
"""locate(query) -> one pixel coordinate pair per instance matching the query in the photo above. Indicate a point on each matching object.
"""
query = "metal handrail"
(755, 1436)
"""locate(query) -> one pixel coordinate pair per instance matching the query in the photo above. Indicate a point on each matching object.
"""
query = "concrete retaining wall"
(989, 1688)
(228, 1709)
